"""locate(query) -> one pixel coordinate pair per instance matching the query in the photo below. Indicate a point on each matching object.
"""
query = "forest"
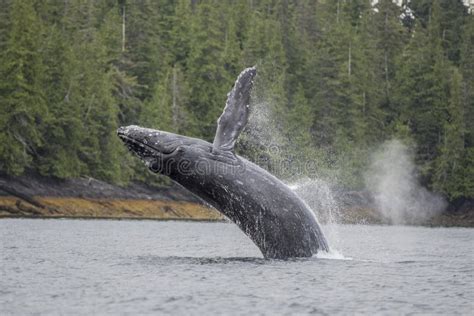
(336, 79)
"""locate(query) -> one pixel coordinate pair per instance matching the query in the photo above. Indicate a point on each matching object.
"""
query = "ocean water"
(85, 267)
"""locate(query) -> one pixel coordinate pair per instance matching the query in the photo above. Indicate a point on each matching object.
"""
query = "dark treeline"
(340, 76)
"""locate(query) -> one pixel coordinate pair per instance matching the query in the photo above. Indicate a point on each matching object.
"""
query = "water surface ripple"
(195, 268)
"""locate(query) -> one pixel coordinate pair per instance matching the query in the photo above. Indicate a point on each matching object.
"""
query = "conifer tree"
(5, 20)
(335, 78)
(449, 177)
(329, 71)
(390, 37)
(467, 70)
(300, 121)
(63, 128)
(424, 66)
(90, 90)
(22, 102)
(144, 54)
(166, 110)
(451, 16)
(209, 84)
(181, 33)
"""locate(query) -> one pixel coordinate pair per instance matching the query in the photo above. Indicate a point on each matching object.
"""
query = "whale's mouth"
(143, 148)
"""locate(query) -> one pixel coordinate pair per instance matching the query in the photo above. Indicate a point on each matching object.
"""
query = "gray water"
(196, 268)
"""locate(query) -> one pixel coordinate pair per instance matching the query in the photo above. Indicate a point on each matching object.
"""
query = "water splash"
(262, 124)
(263, 132)
(263, 138)
(394, 186)
(319, 196)
(332, 254)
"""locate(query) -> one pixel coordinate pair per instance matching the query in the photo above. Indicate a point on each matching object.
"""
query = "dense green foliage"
(336, 78)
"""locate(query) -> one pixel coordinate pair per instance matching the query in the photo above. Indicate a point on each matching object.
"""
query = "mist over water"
(392, 182)
(394, 186)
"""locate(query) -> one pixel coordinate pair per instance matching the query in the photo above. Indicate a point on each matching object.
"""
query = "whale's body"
(272, 215)
(264, 208)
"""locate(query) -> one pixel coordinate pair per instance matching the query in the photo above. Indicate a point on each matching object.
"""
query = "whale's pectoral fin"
(234, 118)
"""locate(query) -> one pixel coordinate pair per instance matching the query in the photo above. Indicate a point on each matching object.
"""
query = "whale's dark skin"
(265, 209)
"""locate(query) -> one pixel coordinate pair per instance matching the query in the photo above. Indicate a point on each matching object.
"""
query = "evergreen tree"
(91, 92)
(145, 57)
(22, 102)
(467, 70)
(335, 78)
(449, 168)
(209, 83)
(126, 90)
(390, 38)
(181, 32)
(300, 121)
(166, 109)
(423, 90)
(330, 70)
(5, 20)
(63, 128)
(451, 16)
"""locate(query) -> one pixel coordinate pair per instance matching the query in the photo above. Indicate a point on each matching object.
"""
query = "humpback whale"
(263, 207)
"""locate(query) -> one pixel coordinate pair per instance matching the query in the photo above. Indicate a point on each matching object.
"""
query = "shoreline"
(223, 220)
(87, 198)
(72, 207)
(115, 218)
(168, 210)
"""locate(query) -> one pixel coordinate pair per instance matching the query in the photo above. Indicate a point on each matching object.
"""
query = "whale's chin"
(138, 148)
(142, 147)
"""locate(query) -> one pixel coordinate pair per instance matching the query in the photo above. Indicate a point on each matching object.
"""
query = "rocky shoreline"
(39, 197)
(33, 196)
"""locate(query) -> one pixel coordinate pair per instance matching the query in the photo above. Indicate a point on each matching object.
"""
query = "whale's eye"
(155, 166)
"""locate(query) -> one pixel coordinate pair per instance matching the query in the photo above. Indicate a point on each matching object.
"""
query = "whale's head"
(156, 148)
